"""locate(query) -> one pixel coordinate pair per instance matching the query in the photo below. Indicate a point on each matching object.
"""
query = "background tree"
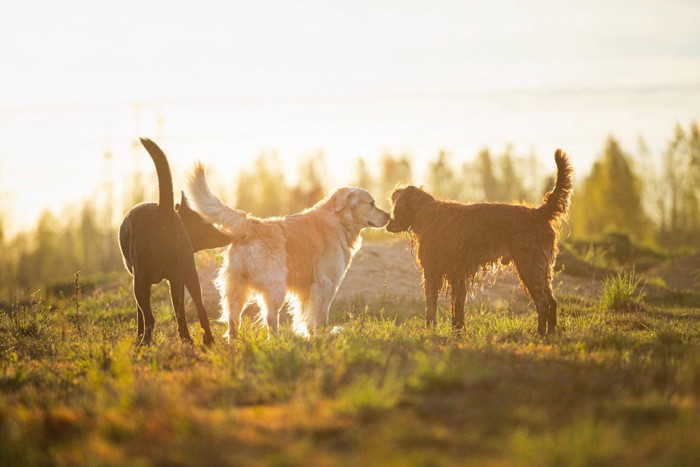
(263, 190)
(311, 187)
(490, 185)
(512, 179)
(394, 170)
(609, 199)
(363, 177)
(442, 179)
(679, 201)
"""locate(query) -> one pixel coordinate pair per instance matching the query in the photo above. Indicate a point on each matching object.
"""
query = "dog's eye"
(371, 203)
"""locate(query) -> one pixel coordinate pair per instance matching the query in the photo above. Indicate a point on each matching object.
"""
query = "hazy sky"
(222, 80)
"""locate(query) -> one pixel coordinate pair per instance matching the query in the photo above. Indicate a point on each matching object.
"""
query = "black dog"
(158, 241)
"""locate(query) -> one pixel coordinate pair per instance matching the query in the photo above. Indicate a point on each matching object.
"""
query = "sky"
(221, 81)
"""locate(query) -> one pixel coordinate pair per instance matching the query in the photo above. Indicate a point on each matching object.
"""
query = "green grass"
(622, 292)
(607, 389)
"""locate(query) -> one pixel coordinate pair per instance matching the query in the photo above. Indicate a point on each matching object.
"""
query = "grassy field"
(619, 384)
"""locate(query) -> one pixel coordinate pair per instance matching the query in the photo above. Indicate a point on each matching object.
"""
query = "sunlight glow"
(221, 81)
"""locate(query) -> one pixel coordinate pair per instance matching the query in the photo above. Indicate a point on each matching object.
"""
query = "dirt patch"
(679, 274)
(388, 269)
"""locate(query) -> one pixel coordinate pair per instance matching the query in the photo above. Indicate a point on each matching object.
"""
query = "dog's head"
(357, 207)
(202, 234)
(405, 203)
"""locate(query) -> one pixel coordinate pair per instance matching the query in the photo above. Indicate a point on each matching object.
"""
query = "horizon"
(222, 82)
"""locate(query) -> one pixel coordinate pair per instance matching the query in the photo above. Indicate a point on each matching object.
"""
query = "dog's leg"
(319, 304)
(192, 284)
(177, 294)
(233, 301)
(552, 317)
(533, 278)
(142, 293)
(431, 285)
(273, 300)
(139, 323)
(459, 295)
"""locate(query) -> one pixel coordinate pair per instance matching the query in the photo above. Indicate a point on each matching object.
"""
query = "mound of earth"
(680, 274)
(388, 269)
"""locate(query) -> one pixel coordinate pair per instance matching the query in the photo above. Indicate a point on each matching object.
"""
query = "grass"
(622, 292)
(607, 388)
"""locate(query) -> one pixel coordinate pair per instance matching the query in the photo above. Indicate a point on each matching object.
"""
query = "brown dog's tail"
(166, 202)
(227, 220)
(556, 203)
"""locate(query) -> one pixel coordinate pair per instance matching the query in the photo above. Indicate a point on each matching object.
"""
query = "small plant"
(623, 291)
(77, 290)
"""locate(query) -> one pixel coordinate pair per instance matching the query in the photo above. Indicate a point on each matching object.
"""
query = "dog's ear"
(344, 198)
(395, 195)
(183, 204)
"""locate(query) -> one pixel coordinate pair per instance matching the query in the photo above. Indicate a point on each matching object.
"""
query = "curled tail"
(166, 203)
(229, 221)
(556, 203)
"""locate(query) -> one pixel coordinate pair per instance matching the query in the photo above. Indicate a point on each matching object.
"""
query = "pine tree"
(363, 178)
(609, 199)
(394, 170)
(490, 185)
(442, 180)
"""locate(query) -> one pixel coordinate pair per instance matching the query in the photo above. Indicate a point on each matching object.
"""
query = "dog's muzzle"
(394, 227)
(382, 223)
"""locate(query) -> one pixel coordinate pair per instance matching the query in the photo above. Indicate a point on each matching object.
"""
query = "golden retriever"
(302, 257)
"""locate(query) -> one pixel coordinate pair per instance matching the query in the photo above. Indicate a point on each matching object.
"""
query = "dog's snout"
(391, 226)
(379, 218)
(387, 216)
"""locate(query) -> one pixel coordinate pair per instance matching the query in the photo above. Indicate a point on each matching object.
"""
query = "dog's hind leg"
(195, 290)
(142, 293)
(431, 287)
(233, 301)
(273, 300)
(177, 294)
(533, 278)
(139, 323)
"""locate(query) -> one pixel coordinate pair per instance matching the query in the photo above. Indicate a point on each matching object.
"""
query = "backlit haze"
(222, 81)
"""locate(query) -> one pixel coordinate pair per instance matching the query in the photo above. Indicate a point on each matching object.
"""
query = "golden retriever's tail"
(556, 203)
(229, 221)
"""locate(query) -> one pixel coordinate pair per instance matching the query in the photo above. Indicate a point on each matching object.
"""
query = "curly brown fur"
(454, 241)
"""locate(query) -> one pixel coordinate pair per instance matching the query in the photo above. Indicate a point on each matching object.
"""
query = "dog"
(158, 241)
(303, 256)
(454, 241)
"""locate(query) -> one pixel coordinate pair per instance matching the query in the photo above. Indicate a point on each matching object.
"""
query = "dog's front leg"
(177, 294)
(431, 287)
(459, 296)
(552, 317)
(319, 305)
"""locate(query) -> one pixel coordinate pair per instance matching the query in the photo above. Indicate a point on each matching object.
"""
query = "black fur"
(158, 241)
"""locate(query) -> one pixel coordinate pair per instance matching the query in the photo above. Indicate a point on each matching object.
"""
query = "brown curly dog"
(454, 241)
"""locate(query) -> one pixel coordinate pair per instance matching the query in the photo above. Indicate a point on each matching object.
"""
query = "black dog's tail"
(166, 202)
(556, 203)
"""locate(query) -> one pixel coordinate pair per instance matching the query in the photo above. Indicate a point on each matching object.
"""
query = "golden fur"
(304, 255)
(454, 241)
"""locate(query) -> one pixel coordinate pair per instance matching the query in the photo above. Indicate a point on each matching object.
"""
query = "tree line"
(654, 200)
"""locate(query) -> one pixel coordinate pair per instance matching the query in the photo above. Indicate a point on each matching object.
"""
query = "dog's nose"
(387, 216)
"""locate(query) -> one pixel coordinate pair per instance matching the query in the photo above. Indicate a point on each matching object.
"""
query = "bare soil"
(386, 269)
